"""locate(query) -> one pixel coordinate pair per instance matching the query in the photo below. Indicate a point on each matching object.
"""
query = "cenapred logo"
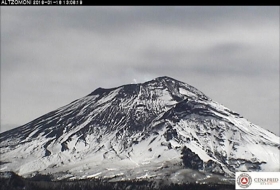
(257, 180)
(244, 180)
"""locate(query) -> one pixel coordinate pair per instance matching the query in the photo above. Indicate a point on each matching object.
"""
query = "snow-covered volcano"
(160, 129)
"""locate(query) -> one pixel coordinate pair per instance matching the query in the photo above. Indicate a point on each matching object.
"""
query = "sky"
(51, 56)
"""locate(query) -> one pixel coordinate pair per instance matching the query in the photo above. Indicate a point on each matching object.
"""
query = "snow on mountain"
(160, 129)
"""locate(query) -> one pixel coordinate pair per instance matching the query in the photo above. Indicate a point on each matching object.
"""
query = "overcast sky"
(51, 56)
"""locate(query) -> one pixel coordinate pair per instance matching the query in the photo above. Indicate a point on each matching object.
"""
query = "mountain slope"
(159, 129)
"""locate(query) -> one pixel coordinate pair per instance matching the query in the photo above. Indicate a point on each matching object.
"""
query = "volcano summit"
(160, 129)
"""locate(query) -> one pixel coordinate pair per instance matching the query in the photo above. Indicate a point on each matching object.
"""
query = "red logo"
(244, 180)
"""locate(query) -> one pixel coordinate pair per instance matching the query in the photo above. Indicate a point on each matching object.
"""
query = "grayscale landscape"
(124, 97)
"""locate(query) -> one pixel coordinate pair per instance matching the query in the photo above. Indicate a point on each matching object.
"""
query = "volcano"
(162, 129)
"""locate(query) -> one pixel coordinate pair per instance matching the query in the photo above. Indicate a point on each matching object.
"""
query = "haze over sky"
(51, 56)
